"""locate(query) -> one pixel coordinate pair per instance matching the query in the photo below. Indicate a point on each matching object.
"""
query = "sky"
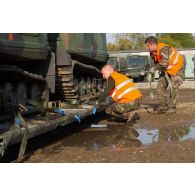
(109, 37)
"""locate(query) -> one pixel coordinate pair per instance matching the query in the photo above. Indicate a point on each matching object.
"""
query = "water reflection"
(124, 136)
(149, 136)
(189, 135)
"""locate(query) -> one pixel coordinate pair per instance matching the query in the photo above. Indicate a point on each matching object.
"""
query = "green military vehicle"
(47, 80)
(118, 63)
(55, 66)
(135, 66)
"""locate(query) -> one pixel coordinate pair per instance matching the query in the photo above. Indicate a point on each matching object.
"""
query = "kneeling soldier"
(124, 92)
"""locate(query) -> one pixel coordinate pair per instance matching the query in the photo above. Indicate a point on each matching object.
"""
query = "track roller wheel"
(45, 95)
(36, 92)
(8, 97)
(21, 93)
(88, 85)
(94, 85)
(82, 87)
(76, 85)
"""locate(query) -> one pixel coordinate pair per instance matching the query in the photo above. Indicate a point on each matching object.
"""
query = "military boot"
(132, 117)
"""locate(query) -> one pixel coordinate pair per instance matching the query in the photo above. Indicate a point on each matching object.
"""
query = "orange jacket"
(125, 91)
(175, 59)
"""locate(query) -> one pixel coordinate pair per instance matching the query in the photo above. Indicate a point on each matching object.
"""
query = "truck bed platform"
(39, 124)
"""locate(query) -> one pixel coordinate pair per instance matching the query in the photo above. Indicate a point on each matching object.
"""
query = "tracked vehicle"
(47, 80)
(50, 66)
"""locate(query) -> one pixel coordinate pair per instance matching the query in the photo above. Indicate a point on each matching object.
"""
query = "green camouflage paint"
(36, 46)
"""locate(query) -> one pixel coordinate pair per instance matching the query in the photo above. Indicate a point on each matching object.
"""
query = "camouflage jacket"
(164, 52)
(107, 90)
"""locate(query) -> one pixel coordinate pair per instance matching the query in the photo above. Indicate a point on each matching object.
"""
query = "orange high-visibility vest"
(125, 91)
(175, 59)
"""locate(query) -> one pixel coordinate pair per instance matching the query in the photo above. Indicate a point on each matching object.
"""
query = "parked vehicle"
(134, 66)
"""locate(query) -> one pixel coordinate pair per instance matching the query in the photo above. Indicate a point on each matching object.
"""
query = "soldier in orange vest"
(170, 64)
(124, 92)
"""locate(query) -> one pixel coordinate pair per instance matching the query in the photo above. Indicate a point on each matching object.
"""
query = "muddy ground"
(154, 138)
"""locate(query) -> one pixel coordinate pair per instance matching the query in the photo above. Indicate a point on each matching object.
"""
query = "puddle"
(121, 136)
(96, 138)
(124, 136)
(149, 136)
(190, 135)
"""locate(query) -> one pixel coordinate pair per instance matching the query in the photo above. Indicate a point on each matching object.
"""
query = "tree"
(167, 39)
(124, 43)
(120, 43)
(138, 40)
(112, 47)
(127, 41)
(179, 40)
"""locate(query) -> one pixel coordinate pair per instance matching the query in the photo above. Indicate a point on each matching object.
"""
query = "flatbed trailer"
(37, 124)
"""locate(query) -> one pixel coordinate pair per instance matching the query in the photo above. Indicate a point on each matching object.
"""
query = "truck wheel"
(136, 79)
(142, 78)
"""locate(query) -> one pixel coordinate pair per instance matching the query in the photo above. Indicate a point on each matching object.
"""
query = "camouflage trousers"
(118, 109)
(165, 96)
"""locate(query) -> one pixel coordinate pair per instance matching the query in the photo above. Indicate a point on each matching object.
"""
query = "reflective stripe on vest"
(175, 62)
(173, 52)
(127, 91)
(123, 84)
(176, 59)
(120, 86)
(113, 94)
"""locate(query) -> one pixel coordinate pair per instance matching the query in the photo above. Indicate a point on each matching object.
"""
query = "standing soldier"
(125, 94)
(170, 64)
